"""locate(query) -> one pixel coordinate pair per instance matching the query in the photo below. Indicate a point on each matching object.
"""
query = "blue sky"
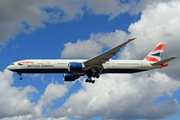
(82, 29)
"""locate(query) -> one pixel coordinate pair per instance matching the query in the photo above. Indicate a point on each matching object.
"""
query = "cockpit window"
(12, 64)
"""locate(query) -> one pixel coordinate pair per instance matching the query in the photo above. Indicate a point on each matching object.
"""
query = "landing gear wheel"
(95, 75)
(87, 80)
(20, 76)
(90, 81)
(93, 81)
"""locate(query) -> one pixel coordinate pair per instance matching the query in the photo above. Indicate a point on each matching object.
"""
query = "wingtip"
(131, 39)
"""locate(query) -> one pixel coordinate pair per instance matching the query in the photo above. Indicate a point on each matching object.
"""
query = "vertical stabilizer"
(156, 54)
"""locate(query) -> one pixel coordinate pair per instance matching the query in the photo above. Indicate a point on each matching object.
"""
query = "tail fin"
(156, 54)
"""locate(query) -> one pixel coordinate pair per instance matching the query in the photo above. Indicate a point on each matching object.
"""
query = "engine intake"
(75, 67)
(70, 77)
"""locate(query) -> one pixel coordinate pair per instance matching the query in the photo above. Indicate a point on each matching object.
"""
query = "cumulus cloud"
(123, 97)
(107, 7)
(160, 23)
(81, 49)
(14, 101)
(53, 92)
(29, 117)
(41, 76)
(157, 24)
(141, 5)
(93, 46)
(22, 17)
(26, 16)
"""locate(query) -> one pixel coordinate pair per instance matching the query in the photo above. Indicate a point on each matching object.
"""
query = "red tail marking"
(151, 59)
(160, 47)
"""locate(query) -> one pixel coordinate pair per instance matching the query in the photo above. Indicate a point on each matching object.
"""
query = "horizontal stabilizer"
(164, 61)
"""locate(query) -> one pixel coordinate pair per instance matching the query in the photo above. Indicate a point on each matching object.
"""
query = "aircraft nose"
(9, 67)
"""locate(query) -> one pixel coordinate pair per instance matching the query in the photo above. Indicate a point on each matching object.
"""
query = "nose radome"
(9, 67)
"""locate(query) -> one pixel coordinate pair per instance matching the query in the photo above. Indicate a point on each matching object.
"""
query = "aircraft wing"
(104, 57)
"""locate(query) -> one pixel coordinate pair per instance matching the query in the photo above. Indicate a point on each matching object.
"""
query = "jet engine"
(75, 67)
(70, 77)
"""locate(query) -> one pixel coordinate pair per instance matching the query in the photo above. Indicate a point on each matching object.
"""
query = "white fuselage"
(61, 66)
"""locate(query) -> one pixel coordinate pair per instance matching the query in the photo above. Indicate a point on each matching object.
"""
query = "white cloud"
(53, 92)
(81, 49)
(26, 16)
(91, 47)
(14, 101)
(22, 17)
(110, 39)
(29, 117)
(108, 7)
(122, 97)
(41, 76)
(157, 24)
(160, 23)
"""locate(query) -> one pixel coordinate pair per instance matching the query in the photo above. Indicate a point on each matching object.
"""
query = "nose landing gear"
(20, 74)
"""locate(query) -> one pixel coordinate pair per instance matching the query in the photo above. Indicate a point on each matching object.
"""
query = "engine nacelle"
(70, 77)
(75, 67)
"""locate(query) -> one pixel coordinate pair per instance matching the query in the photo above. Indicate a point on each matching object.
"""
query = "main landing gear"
(20, 74)
(90, 81)
(94, 76)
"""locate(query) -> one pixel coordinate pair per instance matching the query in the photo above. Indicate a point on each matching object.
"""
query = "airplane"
(73, 69)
